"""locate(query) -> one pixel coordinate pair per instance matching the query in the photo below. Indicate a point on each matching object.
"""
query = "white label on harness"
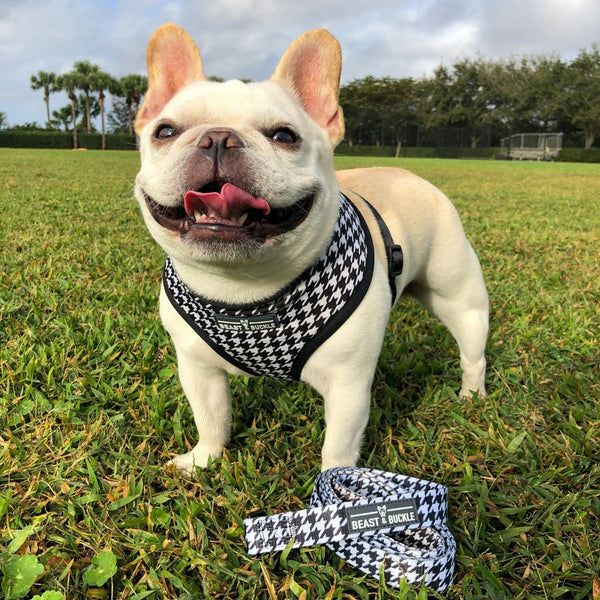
(251, 323)
(370, 517)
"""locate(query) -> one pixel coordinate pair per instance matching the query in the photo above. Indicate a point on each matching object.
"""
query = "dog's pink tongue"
(230, 203)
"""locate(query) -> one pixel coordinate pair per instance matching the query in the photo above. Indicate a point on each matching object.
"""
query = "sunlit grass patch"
(91, 408)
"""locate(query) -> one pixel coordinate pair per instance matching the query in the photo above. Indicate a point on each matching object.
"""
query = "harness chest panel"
(275, 337)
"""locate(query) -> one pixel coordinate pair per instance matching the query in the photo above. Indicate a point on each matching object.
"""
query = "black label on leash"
(252, 323)
(370, 517)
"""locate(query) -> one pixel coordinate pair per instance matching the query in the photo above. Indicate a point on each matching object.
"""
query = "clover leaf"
(104, 566)
(20, 573)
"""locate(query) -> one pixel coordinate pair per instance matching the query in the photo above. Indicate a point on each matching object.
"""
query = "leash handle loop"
(369, 518)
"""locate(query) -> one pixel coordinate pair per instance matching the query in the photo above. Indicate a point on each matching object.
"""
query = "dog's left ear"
(173, 62)
(310, 68)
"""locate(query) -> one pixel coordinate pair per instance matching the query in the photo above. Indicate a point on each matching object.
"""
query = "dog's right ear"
(173, 62)
(310, 68)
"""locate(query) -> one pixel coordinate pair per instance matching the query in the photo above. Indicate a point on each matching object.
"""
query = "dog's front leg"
(344, 380)
(342, 371)
(207, 390)
(346, 417)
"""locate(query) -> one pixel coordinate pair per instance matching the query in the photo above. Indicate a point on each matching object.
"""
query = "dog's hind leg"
(463, 307)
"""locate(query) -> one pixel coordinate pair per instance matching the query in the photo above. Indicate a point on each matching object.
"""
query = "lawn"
(91, 408)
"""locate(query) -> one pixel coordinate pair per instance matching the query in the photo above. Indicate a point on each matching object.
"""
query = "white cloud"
(245, 38)
(514, 27)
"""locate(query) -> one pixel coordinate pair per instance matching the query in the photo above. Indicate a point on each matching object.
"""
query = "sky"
(245, 38)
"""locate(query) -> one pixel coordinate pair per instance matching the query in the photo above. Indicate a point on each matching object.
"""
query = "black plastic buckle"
(395, 259)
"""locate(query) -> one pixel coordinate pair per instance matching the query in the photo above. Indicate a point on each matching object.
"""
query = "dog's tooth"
(198, 215)
(241, 220)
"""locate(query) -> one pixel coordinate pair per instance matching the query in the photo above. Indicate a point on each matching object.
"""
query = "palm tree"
(86, 72)
(69, 82)
(119, 114)
(47, 81)
(132, 88)
(82, 109)
(99, 82)
(63, 116)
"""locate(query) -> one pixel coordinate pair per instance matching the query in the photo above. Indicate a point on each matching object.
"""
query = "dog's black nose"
(220, 139)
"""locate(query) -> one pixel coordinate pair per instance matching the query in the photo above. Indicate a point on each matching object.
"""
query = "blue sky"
(245, 38)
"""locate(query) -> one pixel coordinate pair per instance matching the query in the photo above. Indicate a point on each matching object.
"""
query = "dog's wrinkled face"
(234, 172)
(228, 169)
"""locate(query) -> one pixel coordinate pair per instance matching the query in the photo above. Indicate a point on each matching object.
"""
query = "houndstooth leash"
(372, 519)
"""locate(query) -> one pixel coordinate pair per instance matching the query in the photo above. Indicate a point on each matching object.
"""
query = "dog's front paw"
(198, 457)
(466, 393)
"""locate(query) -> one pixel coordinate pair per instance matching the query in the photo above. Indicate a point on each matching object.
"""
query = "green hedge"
(589, 155)
(359, 150)
(412, 152)
(57, 139)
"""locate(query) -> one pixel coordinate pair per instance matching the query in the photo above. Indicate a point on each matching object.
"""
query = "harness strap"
(276, 336)
(393, 252)
(372, 519)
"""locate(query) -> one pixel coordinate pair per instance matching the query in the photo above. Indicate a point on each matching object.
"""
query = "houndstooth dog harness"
(275, 337)
(376, 521)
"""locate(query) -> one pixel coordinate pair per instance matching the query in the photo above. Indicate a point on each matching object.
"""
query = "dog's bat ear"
(310, 68)
(173, 62)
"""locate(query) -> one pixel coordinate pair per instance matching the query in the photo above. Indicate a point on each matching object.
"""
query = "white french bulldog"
(272, 270)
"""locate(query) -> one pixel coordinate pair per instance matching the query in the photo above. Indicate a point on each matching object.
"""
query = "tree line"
(92, 84)
(528, 94)
(533, 94)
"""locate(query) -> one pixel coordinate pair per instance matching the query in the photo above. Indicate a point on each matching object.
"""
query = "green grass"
(90, 405)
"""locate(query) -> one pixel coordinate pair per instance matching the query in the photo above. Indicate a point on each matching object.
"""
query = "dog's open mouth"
(228, 213)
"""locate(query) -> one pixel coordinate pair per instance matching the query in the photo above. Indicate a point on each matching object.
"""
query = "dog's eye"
(164, 132)
(284, 136)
